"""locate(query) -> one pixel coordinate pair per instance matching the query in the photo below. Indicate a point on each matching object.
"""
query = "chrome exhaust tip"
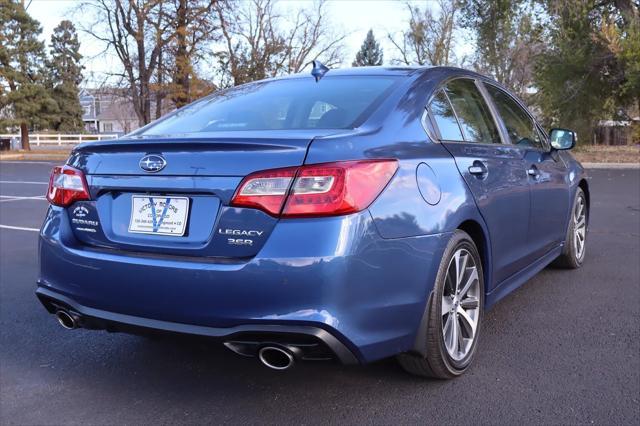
(275, 358)
(66, 320)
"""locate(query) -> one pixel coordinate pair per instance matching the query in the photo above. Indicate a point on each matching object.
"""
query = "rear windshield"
(301, 103)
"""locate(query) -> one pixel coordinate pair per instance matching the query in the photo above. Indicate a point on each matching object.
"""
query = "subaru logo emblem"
(152, 163)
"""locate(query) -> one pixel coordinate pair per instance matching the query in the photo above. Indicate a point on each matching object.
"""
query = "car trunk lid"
(192, 191)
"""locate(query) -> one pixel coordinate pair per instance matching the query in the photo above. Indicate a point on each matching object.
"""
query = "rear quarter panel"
(396, 131)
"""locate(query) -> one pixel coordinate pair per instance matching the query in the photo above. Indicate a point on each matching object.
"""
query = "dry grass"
(607, 154)
(60, 151)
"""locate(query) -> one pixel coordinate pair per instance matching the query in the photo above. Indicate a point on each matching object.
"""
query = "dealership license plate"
(159, 215)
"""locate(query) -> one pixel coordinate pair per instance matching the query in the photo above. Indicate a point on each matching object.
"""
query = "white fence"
(38, 139)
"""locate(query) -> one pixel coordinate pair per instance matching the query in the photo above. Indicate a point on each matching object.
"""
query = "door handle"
(478, 168)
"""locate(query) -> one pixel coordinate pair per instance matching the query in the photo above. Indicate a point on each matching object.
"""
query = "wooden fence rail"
(38, 139)
(612, 135)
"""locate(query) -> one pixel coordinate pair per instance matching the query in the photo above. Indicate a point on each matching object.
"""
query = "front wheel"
(576, 239)
(455, 313)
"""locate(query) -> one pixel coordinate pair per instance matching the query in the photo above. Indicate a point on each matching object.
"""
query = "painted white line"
(28, 162)
(19, 228)
(19, 197)
(30, 183)
(9, 198)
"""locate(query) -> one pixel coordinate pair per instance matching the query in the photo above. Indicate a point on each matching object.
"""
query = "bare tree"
(429, 38)
(137, 31)
(195, 25)
(311, 38)
(259, 42)
(251, 41)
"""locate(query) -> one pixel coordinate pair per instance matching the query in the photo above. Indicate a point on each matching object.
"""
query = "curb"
(619, 166)
(10, 156)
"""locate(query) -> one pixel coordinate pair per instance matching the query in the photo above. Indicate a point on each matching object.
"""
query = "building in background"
(107, 111)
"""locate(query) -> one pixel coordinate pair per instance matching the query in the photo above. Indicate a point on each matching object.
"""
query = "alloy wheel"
(460, 305)
(580, 227)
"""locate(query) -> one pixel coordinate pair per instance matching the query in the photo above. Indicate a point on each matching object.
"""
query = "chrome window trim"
(428, 126)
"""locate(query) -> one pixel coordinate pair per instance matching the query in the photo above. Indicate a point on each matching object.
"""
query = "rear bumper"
(96, 319)
(332, 278)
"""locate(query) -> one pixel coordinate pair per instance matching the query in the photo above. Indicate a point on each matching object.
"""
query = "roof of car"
(382, 71)
(355, 71)
(379, 70)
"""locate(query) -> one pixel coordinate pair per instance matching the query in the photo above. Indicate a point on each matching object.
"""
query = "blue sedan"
(347, 215)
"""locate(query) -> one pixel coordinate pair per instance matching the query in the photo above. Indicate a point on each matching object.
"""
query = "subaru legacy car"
(348, 215)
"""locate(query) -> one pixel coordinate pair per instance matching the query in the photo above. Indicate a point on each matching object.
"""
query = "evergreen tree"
(370, 53)
(24, 99)
(587, 72)
(65, 74)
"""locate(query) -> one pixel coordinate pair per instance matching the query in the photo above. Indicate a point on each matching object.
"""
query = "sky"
(354, 17)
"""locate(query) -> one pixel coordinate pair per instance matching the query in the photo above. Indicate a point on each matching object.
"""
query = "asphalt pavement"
(563, 349)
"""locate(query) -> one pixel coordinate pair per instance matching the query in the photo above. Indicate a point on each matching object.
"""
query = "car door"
(547, 173)
(494, 172)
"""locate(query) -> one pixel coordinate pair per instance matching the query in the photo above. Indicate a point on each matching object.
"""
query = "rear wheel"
(575, 242)
(455, 313)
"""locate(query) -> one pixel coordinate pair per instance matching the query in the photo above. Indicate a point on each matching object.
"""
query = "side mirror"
(562, 139)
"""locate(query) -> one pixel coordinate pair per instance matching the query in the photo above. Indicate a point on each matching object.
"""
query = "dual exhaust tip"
(273, 357)
(66, 319)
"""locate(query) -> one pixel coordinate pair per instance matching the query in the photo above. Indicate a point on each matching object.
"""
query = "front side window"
(473, 113)
(298, 103)
(520, 127)
(445, 118)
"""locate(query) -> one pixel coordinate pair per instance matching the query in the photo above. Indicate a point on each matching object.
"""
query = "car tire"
(573, 253)
(435, 360)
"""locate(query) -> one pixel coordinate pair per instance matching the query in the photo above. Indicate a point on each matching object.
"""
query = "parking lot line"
(18, 181)
(27, 162)
(7, 198)
(21, 197)
(19, 228)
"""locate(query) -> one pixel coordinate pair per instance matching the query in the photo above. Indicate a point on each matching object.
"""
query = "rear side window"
(298, 103)
(520, 127)
(445, 118)
(473, 113)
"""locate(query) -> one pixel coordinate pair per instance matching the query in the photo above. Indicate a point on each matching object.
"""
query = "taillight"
(265, 190)
(67, 185)
(328, 189)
